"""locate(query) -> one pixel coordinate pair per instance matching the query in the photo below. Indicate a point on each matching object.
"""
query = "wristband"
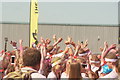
(14, 47)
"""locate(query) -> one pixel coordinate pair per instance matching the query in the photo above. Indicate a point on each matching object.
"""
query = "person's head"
(57, 69)
(82, 61)
(68, 65)
(94, 60)
(118, 51)
(119, 48)
(31, 58)
(56, 65)
(75, 70)
(111, 59)
(49, 48)
(84, 54)
(6, 60)
(47, 67)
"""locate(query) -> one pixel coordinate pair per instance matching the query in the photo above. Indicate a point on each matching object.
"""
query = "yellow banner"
(33, 21)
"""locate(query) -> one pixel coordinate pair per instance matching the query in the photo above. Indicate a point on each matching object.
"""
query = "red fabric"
(61, 51)
(1, 70)
(117, 54)
(75, 56)
(2, 51)
(8, 54)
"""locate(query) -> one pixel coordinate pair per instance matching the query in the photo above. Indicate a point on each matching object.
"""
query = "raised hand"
(113, 46)
(86, 43)
(69, 40)
(20, 41)
(59, 40)
(42, 40)
(106, 44)
(101, 49)
(14, 44)
(78, 46)
(54, 38)
(47, 41)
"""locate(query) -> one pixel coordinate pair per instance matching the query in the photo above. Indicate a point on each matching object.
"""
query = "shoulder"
(51, 75)
(112, 74)
(64, 75)
(37, 75)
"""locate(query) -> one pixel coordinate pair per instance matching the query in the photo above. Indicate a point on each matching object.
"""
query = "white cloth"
(58, 55)
(64, 75)
(83, 75)
(52, 76)
(94, 68)
(112, 74)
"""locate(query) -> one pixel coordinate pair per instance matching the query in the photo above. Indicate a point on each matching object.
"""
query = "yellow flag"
(33, 21)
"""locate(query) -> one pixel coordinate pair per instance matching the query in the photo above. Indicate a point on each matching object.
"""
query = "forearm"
(66, 50)
(104, 53)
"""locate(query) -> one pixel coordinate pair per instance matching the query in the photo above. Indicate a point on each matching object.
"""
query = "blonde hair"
(56, 67)
(75, 71)
(68, 66)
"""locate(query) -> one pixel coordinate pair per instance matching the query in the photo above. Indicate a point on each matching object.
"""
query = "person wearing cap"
(56, 69)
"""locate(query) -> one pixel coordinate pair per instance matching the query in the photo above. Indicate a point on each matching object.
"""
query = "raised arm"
(58, 41)
(14, 45)
(78, 46)
(21, 47)
(113, 46)
(54, 38)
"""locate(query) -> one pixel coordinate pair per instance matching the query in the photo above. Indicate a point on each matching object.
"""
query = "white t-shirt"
(52, 76)
(64, 75)
(112, 74)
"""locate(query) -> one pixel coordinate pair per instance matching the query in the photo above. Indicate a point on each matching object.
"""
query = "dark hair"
(31, 57)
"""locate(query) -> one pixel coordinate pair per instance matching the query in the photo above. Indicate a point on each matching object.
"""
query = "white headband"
(12, 56)
(110, 60)
(55, 63)
(83, 54)
(94, 61)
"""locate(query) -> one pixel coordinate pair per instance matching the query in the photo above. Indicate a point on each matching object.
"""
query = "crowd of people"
(47, 61)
